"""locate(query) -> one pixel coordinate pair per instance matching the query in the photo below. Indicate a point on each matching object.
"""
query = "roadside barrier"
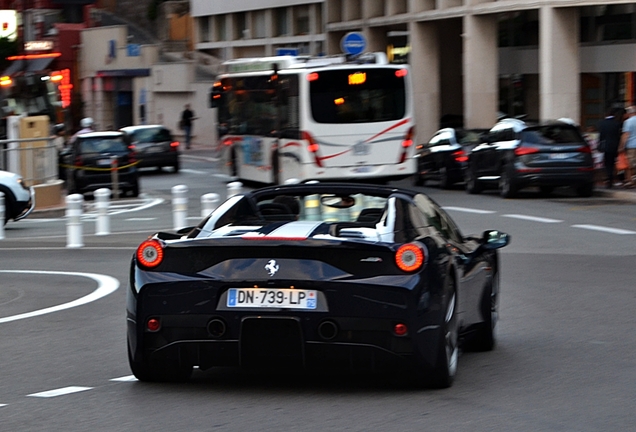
(2, 215)
(102, 203)
(209, 202)
(74, 204)
(179, 206)
(234, 188)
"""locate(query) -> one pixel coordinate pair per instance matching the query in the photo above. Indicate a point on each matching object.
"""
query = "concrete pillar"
(481, 69)
(425, 75)
(376, 39)
(559, 66)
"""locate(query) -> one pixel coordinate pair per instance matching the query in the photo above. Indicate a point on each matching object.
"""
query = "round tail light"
(150, 253)
(410, 257)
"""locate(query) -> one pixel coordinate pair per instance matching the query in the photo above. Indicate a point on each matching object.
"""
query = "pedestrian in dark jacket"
(609, 138)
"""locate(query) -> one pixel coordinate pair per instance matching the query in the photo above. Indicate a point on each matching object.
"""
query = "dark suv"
(517, 155)
(91, 156)
(154, 145)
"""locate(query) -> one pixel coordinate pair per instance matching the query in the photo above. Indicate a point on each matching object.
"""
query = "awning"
(28, 65)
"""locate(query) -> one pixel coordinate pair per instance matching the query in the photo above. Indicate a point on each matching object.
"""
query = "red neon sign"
(63, 77)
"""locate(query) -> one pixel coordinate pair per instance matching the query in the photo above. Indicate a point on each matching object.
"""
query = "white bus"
(319, 118)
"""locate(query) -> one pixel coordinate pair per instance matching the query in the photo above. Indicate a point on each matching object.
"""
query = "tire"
(507, 189)
(176, 167)
(166, 371)
(444, 180)
(233, 164)
(484, 338)
(9, 206)
(445, 369)
(472, 184)
(418, 180)
(586, 190)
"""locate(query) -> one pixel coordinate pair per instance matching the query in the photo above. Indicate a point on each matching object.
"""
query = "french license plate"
(559, 156)
(272, 298)
(361, 149)
(103, 162)
(363, 169)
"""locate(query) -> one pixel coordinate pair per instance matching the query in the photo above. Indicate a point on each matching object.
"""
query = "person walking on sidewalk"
(628, 144)
(187, 116)
(609, 138)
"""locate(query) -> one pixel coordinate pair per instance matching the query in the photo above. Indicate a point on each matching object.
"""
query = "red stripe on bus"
(398, 124)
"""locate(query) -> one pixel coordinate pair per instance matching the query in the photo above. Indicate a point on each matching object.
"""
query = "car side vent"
(238, 232)
(350, 234)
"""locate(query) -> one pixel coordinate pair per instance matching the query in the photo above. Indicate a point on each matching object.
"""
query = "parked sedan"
(518, 155)
(154, 145)
(90, 158)
(19, 200)
(443, 158)
(314, 276)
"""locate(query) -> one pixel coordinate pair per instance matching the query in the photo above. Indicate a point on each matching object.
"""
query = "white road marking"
(106, 285)
(141, 219)
(532, 218)
(191, 171)
(127, 378)
(604, 229)
(60, 392)
(469, 210)
(3, 405)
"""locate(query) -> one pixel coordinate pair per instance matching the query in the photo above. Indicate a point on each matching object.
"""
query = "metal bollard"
(2, 215)
(102, 203)
(209, 202)
(179, 206)
(114, 175)
(74, 205)
(234, 188)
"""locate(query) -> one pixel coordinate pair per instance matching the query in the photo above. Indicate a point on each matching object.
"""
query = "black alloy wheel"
(444, 180)
(444, 371)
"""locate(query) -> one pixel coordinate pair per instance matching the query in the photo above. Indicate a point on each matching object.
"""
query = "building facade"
(472, 60)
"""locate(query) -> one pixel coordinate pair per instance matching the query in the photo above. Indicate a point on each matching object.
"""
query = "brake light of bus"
(406, 143)
(312, 76)
(313, 147)
(401, 73)
(5, 81)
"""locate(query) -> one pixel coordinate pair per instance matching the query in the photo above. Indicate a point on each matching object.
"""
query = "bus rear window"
(357, 96)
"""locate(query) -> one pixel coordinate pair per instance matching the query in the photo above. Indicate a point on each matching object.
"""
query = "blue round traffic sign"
(353, 43)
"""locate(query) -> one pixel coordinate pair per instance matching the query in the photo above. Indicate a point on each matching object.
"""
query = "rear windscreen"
(103, 145)
(551, 135)
(152, 135)
(357, 95)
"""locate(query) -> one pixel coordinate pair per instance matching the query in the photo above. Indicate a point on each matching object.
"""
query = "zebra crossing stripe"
(60, 392)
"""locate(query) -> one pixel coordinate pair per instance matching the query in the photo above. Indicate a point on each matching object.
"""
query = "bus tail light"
(407, 142)
(313, 147)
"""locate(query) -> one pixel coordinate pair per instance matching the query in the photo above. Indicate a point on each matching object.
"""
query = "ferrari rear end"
(280, 302)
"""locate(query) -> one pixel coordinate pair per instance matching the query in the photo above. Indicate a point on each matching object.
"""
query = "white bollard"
(234, 188)
(74, 210)
(2, 215)
(209, 202)
(179, 206)
(102, 203)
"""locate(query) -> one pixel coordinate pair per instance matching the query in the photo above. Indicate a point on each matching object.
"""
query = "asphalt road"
(564, 361)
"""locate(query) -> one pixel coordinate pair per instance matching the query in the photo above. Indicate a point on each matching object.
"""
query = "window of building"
(301, 20)
(240, 26)
(258, 24)
(608, 23)
(519, 29)
(280, 21)
(221, 28)
(204, 29)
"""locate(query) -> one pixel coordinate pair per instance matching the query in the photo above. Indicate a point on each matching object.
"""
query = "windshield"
(357, 95)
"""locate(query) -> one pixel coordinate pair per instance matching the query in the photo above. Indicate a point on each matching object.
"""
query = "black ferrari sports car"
(314, 276)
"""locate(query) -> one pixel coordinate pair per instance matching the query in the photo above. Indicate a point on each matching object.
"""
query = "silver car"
(19, 200)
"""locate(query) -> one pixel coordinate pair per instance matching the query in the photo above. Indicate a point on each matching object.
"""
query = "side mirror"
(493, 239)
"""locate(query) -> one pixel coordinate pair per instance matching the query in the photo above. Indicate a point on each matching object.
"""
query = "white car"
(19, 200)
